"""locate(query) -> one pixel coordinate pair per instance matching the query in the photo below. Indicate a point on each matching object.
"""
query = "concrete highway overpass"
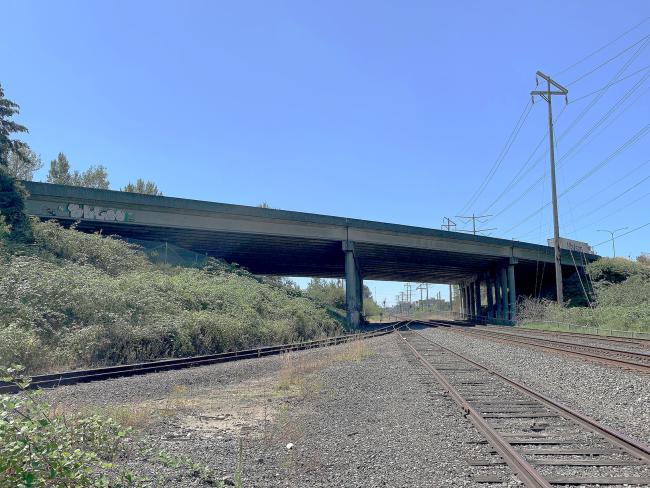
(286, 243)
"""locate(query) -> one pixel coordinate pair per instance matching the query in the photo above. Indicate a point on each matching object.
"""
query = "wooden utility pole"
(548, 96)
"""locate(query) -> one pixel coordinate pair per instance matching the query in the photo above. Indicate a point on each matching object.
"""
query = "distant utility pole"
(408, 292)
(548, 96)
(449, 224)
(612, 232)
(422, 287)
(474, 219)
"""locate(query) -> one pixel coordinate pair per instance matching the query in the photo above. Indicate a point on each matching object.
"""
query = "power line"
(611, 200)
(612, 232)
(504, 151)
(605, 46)
(475, 218)
(601, 92)
(624, 234)
(574, 100)
(632, 140)
(590, 131)
(605, 63)
(521, 173)
(627, 205)
(609, 185)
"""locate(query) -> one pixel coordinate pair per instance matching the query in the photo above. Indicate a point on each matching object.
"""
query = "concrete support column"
(353, 287)
(461, 301)
(463, 294)
(477, 299)
(504, 293)
(472, 301)
(490, 301)
(512, 293)
(497, 296)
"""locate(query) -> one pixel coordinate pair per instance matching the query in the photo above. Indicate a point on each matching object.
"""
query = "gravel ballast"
(358, 415)
(615, 397)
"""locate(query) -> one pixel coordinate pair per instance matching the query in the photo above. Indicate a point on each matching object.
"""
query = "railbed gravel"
(375, 421)
(614, 396)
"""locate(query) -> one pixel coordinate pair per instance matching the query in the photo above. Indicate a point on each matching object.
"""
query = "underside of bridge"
(278, 242)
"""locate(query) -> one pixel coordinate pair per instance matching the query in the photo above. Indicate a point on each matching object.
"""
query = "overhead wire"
(603, 47)
(521, 173)
(593, 128)
(624, 234)
(613, 199)
(504, 151)
(632, 140)
(574, 100)
(618, 210)
(606, 62)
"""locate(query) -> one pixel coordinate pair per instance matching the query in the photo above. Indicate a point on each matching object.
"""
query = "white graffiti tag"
(81, 211)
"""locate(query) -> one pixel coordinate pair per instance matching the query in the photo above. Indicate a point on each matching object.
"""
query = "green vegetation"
(619, 292)
(39, 448)
(331, 294)
(141, 186)
(93, 177)
(42, 446)
(71, 299)
(12, 153)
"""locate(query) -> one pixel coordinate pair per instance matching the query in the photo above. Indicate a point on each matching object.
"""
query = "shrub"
(42, 449)
(73, 299)
(622, 299)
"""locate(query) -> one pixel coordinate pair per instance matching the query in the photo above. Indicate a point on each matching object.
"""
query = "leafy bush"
(622, 299)
(42, 449)
(73, 299)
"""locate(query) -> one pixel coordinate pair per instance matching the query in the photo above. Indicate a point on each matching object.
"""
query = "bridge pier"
(461, 301)
(477, 299)
(512, 290)
(504, 293)
(497, 296)
(353, 287)
(490, 302)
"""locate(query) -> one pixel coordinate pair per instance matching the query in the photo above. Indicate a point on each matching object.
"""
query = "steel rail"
(53, 380)
(640, 354)
(522, 468)
(632, 446)
(607, 359)
(637, 341)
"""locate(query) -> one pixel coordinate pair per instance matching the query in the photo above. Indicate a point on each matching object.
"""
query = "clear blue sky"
(390, 111)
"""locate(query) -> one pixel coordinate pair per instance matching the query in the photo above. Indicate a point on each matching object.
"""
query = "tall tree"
(12, 194)
(7, 127)
(23, 163)
(93, 177)
(59, 171)
(141, 186)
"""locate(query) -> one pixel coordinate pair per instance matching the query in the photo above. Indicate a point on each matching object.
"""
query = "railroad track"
(98, 374)
(544, 442)
(634, 360)
(636, 342)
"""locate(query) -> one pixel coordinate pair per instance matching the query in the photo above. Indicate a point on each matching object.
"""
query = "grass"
(71, 300)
